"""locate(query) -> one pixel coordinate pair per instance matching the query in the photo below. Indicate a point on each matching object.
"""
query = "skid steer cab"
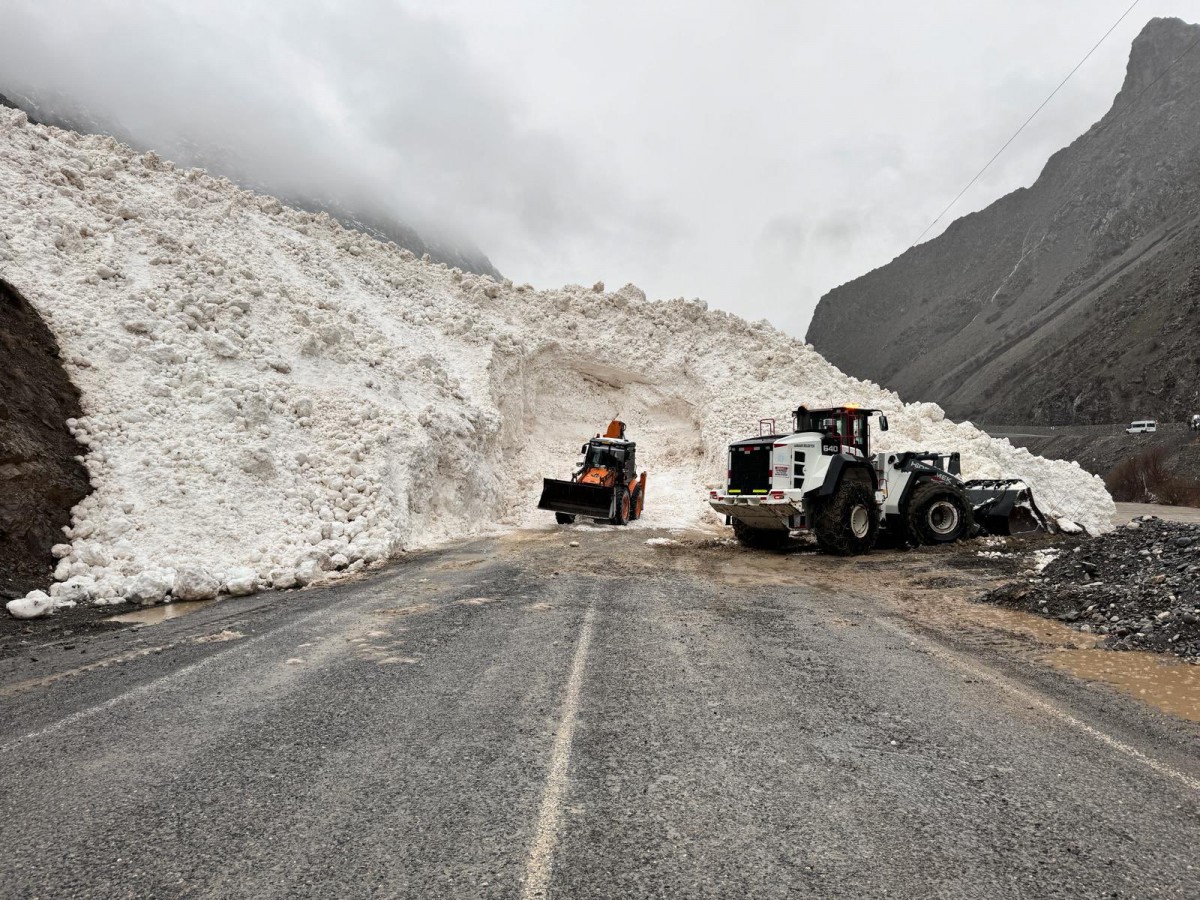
(823, 479)
(606, 487)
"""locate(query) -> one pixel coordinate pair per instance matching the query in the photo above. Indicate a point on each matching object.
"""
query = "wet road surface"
(518, 718)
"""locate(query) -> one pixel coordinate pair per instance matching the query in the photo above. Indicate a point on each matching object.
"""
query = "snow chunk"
(283, 579)
(150, 587)
(241, 581)
(221, 346)
(76, 589)
(308, 572)
(32, 606)
(195, 583)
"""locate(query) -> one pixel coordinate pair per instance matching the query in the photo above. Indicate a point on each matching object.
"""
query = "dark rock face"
(4, 101)
(1076, 300)
(40, 479)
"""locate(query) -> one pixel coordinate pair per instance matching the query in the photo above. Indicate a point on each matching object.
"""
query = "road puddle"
(1165, 683)
(153, 615)
(1027, 624)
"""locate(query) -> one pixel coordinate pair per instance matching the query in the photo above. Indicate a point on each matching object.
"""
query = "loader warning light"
(713, 494)
(776, 495)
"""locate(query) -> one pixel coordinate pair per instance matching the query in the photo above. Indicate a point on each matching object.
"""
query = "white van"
(1142, 426)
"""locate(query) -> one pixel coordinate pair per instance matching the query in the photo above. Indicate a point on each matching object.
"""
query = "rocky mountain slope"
(1100, 448)
(1075, 300)
(460, 254)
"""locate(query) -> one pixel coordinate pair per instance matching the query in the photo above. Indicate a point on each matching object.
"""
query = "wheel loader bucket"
(577, 499)
(1005, 506)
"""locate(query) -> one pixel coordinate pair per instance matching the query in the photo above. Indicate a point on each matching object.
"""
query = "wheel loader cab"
(848, 426)
(608, 461)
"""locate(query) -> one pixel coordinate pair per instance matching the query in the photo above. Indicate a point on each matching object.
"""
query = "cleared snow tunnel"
(565, 399)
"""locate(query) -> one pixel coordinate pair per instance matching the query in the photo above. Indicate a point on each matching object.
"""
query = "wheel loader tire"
(847, 523)
(938, 514)
(759, 538)
(564, 518)
(621, 507)
(635, 506)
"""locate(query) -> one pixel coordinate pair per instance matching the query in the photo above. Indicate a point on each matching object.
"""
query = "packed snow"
(271, 399)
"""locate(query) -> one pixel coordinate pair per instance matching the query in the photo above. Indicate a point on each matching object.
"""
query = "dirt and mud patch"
(23, 637)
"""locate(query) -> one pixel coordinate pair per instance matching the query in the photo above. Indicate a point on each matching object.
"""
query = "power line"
(1027, 121)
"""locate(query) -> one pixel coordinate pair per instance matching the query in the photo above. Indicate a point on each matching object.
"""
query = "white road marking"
(1033, 700)
(541, 855)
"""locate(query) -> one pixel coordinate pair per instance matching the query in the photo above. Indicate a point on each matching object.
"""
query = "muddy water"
(154, 614)
(1169, 685)
(1019, 622)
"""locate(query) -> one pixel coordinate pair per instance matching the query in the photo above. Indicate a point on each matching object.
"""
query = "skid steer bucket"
(577, 499)
(1004, 506)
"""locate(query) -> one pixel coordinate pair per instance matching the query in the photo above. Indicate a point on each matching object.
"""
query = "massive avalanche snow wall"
(263, 389)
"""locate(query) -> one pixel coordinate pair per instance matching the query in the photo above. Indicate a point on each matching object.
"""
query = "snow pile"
(270, 398)
(34, 605)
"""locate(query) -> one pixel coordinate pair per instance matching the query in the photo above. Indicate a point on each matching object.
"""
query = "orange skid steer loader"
(605, 487)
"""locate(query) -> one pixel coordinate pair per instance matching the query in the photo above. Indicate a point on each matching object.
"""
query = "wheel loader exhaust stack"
(605, 487)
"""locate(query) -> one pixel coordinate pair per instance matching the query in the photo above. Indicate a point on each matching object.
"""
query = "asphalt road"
(519, 718)
(1127, 511)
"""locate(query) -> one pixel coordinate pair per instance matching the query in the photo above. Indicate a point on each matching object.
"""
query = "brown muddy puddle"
(1167, 684)
(153, 615)
(1026, 624)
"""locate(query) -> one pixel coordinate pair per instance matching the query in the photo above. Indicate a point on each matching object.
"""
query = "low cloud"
(365, 103)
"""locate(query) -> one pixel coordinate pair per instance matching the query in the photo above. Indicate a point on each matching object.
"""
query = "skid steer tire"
(759, 538)
(847, 523)
(938, 514)
(621, 507)
(635, 506)
(564, 518)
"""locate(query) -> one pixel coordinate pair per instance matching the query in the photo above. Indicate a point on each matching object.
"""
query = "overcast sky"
(754, 153)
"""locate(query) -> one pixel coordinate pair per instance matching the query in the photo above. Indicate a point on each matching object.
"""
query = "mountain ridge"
(1071, 300)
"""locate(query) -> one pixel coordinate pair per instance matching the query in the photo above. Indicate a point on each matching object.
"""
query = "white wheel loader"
(822, 478)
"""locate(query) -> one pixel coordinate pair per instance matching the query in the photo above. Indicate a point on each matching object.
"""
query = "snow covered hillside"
(268, 395)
